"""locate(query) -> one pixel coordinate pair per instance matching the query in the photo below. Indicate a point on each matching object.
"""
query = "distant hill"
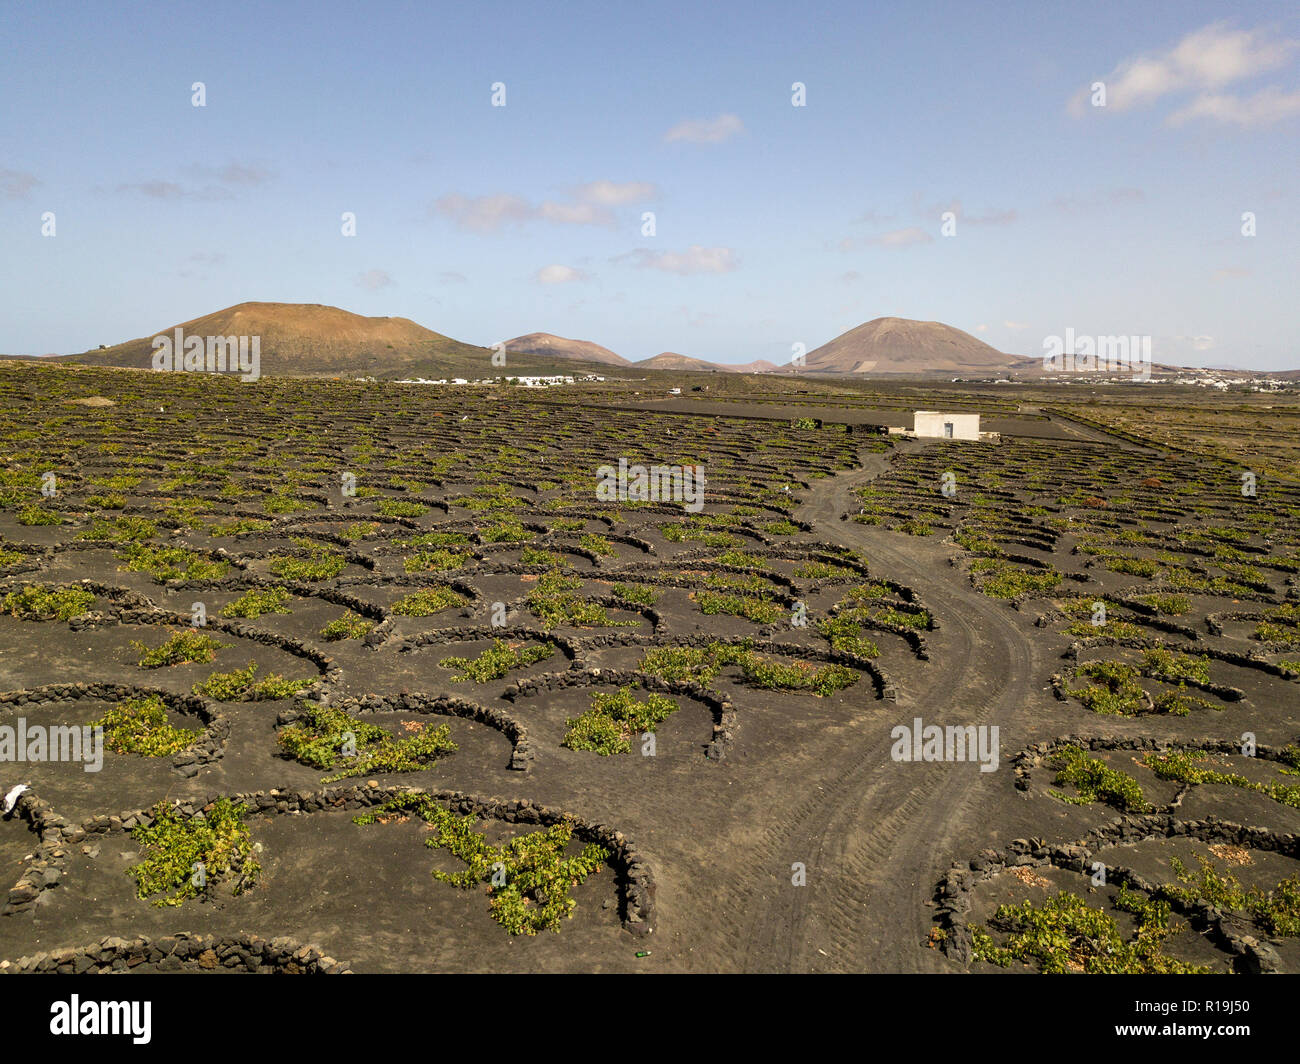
(759, 365)
(899, 345)
(671, 360)
(551, 346)
(311, 340)
(308, 339)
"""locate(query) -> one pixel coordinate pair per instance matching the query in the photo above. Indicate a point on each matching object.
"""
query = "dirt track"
(875, 835)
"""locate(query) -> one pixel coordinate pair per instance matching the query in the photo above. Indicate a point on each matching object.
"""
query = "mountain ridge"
(313, 339)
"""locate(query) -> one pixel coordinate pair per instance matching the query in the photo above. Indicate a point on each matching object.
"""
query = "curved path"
(879, 834)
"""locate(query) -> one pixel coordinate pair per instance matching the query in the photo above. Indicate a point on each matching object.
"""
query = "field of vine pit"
(385, 686)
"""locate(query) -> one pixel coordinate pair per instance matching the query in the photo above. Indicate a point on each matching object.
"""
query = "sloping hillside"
(308, 339)
(899, 345)
(548, 345)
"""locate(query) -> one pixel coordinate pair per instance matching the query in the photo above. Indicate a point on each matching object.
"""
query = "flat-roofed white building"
(933, 423)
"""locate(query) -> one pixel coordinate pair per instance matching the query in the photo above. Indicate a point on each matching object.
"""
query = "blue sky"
(774, 224)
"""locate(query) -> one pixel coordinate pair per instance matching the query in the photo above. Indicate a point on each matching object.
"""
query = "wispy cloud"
(695, 259)
(616, 194)
(232, 174)
(706, 130)
(1262, 109)
(159, 189)
(201, 261)
(874, 218)
(697, 318)
(1204, 62)
(1092, 201)
(574, 213)
(1196, 343)
(16, 184)
(557, 274)
(590, 205)
(484, 214)
(374, 280)
(993, 217)
(218, 183)
(894, 238)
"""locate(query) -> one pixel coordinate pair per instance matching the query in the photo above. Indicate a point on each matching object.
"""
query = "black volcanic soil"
(746, 783)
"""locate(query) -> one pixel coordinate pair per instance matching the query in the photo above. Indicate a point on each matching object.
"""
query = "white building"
(932, 423)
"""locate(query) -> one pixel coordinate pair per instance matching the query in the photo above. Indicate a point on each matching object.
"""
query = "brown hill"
(552, 346)
(671, 360)
(308, 339)
(899, 345)
(759, 365)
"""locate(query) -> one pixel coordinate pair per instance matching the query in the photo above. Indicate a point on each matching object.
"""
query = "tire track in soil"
(877, 836)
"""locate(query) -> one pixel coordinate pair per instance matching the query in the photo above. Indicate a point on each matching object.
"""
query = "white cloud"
(1204, 60)
(615, 194)
(1262, 109)
(373, 280)
(981, 328)
(695, 259)
(1016, 324)
(706, 130)
(1216, 55)
(483, 214)
(557, 274)
(486, 214)
(574, 213)
(900, 238)
(1179, 345)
